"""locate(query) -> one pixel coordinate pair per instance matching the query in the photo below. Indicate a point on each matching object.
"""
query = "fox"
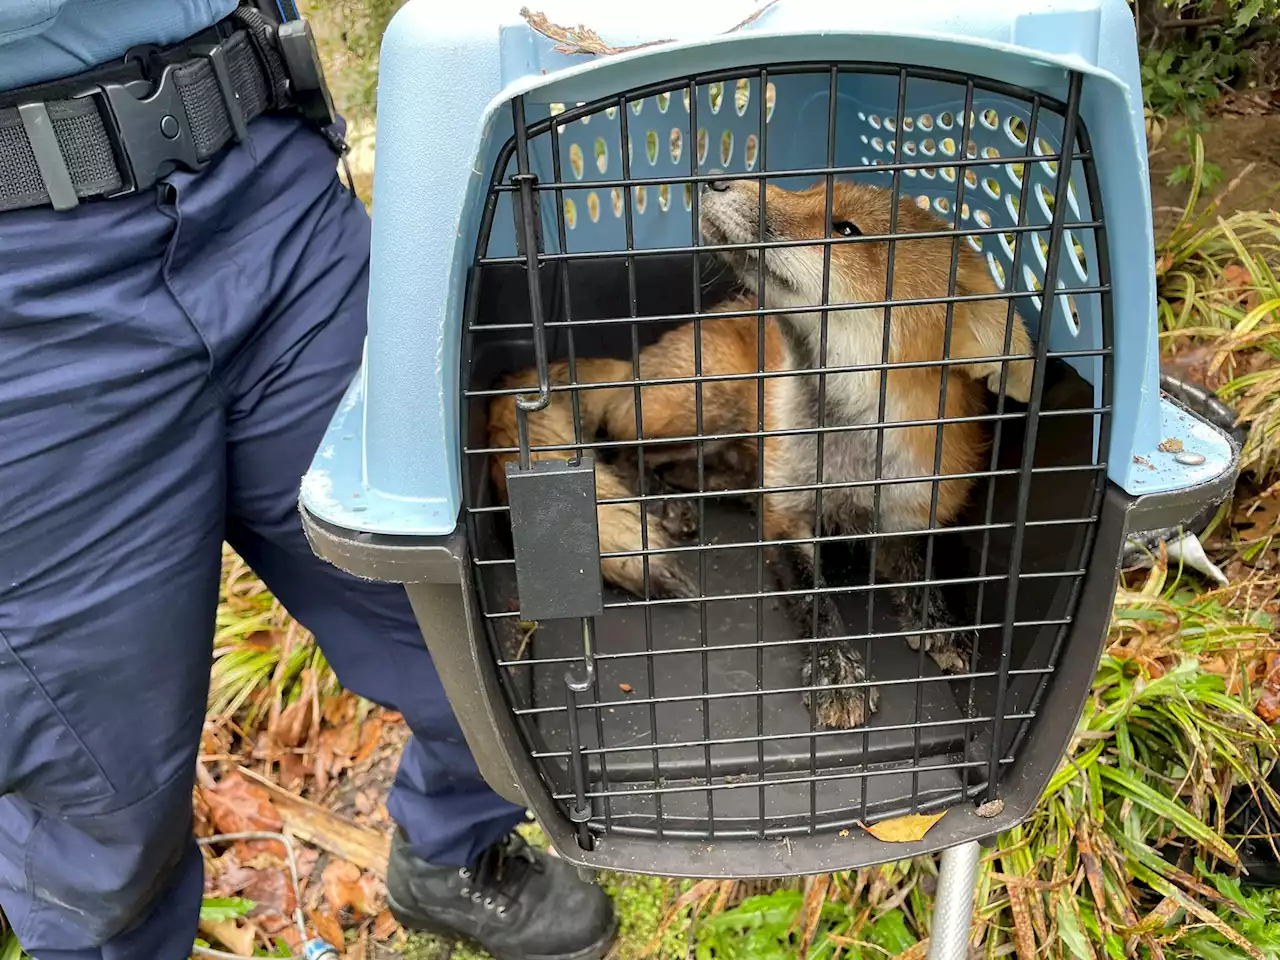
(981, 329)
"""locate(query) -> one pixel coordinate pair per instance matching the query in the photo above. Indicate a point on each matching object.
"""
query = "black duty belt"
(117, 129)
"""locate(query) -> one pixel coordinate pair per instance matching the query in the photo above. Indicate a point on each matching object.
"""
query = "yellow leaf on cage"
(904, 829)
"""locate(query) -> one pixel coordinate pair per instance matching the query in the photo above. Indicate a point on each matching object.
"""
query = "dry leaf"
(236, 937)
(1171, 445)
(385, 926)
(906, 829)
(327, 926)
(237, 806)
(625, 687)
(346, 886)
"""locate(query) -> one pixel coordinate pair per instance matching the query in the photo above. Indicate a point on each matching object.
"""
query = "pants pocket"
(42, 759)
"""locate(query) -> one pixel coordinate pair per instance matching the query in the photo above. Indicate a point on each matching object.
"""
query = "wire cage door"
(777, 522)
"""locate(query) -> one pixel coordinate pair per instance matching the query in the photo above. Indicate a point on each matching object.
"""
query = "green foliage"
(1194, 49)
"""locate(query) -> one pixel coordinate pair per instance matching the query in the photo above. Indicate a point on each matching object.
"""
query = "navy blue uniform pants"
(168, 364)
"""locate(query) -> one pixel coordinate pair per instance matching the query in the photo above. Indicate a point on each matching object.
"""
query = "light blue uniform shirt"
(47, 39)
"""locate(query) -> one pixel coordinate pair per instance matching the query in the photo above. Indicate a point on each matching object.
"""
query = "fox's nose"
(719, 186)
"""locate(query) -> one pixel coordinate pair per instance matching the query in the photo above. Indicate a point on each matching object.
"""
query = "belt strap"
(115, 137)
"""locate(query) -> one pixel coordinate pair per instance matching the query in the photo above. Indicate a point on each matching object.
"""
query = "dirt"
(1239, 136)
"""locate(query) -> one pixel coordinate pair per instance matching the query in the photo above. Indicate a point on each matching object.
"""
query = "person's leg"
(283, 379)
(111, 519)
(306, 348)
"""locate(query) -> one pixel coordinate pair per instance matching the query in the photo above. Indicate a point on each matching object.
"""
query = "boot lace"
(499, 875)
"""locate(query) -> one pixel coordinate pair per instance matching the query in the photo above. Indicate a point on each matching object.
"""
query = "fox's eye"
(844, 228)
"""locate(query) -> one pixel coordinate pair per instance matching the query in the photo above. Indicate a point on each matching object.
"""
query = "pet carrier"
(738, 518)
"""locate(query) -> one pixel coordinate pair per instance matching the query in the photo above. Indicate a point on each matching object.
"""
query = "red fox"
(730, 214)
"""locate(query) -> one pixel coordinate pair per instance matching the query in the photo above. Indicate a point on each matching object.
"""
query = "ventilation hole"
(1073, 317)
(997, 270)
(992, 187)
(991, 153)
(642, 199)
(990, 119)
(1046, 200)
(688, 196)
(741, 96)
(909, 148)
(664, 197)
(942, 205)
(702, 145)
(1044, 148)
(1006, 243)
(892, 147)
(1072, 201)
(615, 195)
(557, 109)
(971, 150)
(1017, 130)
(864, 139)
(891, 124)
(726, 148)
(593, 207)
(685, 94)
(715, 95)
(982, 216)
(910, 171)
(875, 121)
(631, 153)
(651, 146)
(1078, 258)
(610, 112)
(867, 161)
(1032, 281)
(750, 150)
(949, 174)
(663, 100)
(677, 144)
(637, 106)
(877, 144)
(575, 160)
(908, 124)
(602, 155)
(971, 179)
(946, 120)
(1015, 173)
(570, 214)
(770, 101)
(926, 122)
(975, 243)
(1042, 249)
(928, 147)
(948, 146)
(929, 173)
(1014, 207)
(922, 202)
(964, 211)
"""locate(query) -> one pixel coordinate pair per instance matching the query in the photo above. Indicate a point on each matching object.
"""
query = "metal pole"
(953, 906)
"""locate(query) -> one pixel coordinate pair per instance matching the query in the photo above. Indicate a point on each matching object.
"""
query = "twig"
(582, 40)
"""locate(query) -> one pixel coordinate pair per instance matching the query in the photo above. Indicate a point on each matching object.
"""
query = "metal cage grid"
(631, 757)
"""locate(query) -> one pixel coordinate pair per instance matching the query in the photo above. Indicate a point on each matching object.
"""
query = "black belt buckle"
(148, 128)
(307, 85)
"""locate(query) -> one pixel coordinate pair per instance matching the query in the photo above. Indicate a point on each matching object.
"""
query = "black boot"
(515, 902)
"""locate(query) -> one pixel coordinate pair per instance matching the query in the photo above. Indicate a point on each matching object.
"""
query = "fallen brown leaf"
(345, 885)
(384, 926)
(1171, 445)
(233, 934)
(237, 806)
(906, 829)
(625, 687)
(327, 926)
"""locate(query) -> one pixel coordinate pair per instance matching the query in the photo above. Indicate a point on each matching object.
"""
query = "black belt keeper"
(117, 129)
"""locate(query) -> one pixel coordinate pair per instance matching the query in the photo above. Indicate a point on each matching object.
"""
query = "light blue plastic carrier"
(385, 498)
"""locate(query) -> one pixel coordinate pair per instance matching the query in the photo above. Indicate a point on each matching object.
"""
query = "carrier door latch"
(556, 538)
